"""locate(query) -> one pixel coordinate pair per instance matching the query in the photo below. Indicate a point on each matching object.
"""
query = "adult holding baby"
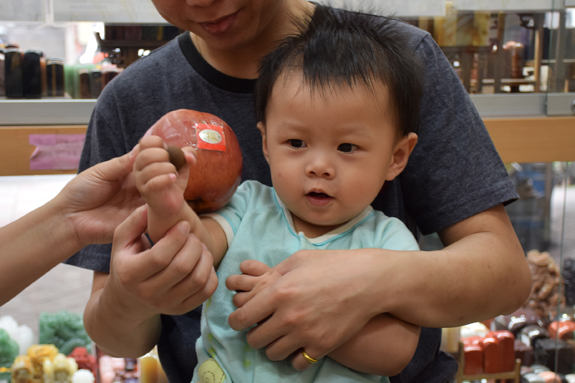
(455, 184)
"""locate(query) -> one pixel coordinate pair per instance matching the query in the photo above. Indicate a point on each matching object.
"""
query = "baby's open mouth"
(318, 199)
(318, 195)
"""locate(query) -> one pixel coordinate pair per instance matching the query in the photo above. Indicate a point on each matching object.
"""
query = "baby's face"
(329, 151)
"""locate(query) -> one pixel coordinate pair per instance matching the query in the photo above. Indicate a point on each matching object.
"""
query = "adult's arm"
(325, 297)
(86, 211)
(384, 346)
(173, 277)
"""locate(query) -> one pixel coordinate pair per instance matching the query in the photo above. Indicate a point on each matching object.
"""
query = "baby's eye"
(296, 143)
(346, 148)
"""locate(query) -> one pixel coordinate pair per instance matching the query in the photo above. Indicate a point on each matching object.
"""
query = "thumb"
(132, 228)
(118, 167)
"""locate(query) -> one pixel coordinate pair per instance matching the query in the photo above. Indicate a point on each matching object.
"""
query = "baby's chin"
(318, 227)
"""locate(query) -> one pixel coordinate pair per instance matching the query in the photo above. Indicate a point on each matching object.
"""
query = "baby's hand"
(256, 277)
(161, 185)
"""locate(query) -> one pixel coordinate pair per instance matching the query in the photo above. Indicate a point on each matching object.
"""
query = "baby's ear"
(262, 129)
(400, 155)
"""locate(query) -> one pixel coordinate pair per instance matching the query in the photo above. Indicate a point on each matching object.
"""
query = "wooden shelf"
(15, 149)
(533, 139)
(536, 139)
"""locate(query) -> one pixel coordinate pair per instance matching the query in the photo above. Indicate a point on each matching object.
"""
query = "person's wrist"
(116, 302)
(412, 282)
(388, 273)
(119, 323)
(62, 229)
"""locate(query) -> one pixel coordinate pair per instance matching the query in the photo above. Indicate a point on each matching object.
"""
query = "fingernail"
(133, 151)
(184, 228)
(172, 176)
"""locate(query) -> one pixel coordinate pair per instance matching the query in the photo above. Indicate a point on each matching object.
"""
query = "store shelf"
(506, 105)
(57, 111)
(533, 139)
(507, 5)
(125, 52)
(111, 45)
(15, 149)
(62, 111)
(521, 134)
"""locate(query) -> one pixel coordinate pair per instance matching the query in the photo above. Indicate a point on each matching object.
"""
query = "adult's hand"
(317, 304)
(97, 200)
(86, 211)
(173, 277)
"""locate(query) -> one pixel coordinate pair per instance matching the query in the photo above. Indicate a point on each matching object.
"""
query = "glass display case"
(516, 58)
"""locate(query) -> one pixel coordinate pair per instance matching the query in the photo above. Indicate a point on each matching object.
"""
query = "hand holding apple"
(217, 172)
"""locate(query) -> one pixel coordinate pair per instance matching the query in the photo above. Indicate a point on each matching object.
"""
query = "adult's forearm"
(31, 246)
(478, 276)
(115, 328)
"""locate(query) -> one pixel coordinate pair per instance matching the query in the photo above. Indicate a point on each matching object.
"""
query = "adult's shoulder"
(413, 35)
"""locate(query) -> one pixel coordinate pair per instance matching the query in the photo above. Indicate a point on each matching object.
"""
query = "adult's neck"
(243, 61)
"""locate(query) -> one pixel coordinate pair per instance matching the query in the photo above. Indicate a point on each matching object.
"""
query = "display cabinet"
(516, 58)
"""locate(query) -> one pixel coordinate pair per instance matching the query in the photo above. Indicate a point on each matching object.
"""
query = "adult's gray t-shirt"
(453, 173)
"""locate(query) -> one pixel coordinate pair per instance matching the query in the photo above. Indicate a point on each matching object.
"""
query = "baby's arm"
(162, 187)
(384, 346)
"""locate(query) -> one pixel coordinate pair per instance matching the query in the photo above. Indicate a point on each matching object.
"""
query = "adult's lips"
(220, 25)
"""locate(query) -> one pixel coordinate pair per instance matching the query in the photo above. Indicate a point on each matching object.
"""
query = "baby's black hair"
(336, 48)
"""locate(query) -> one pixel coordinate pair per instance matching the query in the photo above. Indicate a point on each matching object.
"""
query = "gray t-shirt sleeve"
(454, 171)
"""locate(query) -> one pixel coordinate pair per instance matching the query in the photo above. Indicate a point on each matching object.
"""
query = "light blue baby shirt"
(258, 226)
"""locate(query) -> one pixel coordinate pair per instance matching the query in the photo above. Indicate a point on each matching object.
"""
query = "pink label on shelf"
(56, 151)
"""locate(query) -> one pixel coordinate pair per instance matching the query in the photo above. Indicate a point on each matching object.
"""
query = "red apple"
(217, 172)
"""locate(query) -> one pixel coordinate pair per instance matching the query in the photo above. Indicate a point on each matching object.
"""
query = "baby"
(337, 106)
